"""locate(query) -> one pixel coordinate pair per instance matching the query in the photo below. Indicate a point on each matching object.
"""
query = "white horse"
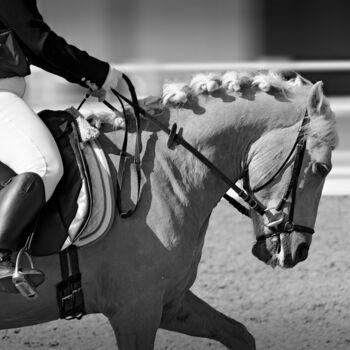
(140, 274)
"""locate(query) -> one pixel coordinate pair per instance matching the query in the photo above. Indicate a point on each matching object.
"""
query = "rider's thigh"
(26, 145)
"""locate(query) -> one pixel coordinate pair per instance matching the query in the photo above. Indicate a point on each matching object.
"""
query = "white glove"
(111, 81)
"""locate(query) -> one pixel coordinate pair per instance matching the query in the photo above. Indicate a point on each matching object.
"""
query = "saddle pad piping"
(109, 203)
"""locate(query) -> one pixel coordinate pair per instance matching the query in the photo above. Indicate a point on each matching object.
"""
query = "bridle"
(277, 227)
(286, 224)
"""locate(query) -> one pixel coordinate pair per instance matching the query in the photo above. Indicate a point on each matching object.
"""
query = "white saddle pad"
(102, 210)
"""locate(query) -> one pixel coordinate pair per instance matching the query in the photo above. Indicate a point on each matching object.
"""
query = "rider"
(26, 145)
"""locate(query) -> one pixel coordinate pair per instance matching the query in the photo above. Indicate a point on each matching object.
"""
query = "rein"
(123, 153)
(137, 152)
(285, 226)
(174, 137)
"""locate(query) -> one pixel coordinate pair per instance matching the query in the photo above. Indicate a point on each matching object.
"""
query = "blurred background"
(158, 40)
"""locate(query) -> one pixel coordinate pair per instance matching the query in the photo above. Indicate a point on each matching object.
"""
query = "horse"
(140, 273)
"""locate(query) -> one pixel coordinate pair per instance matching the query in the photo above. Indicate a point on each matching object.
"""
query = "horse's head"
(285, 151)
(286, 173)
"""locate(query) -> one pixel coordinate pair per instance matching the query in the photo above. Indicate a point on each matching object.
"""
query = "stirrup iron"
(25, 287)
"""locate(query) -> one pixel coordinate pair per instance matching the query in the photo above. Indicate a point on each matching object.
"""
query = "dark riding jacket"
(42, 47)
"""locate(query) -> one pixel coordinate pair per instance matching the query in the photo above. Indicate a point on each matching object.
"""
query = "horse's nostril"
(259, 250)
(302, 252)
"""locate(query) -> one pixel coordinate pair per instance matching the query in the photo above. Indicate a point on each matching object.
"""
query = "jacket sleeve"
(47, 50)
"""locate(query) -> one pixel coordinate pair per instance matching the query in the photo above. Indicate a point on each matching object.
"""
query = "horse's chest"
(184, 270)
(181, 280)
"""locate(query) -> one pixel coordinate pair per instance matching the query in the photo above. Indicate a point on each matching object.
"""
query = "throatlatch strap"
(70, 297)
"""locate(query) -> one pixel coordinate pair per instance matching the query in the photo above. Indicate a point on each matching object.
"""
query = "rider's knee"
(57, 169)
(52, 177)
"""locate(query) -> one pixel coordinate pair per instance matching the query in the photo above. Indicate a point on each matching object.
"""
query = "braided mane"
(232, 82)
(235, 82)
(177, 94)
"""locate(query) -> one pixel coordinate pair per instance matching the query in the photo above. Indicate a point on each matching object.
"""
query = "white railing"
(212, 66)
(300, 66)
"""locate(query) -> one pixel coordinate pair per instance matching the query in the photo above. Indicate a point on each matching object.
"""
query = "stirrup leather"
(26, 280)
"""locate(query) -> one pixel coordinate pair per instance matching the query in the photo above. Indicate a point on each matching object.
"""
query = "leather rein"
(283, 226)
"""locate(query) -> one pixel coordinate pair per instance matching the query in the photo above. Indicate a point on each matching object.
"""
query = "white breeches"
(26, 145)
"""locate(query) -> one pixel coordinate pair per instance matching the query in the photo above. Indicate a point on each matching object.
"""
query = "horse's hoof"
(252, 343)
(250, 340)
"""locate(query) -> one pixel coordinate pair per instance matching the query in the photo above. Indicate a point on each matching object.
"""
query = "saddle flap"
(58, 216)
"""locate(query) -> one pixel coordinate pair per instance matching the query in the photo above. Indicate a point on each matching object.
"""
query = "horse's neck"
(224, 133)
(221, 136)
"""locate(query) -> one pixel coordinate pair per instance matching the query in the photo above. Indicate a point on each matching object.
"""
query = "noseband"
(278, 227)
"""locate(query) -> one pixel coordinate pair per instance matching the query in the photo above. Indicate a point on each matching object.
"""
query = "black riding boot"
(20, 202)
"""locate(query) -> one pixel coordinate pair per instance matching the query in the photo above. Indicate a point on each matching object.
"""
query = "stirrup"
(26, 280)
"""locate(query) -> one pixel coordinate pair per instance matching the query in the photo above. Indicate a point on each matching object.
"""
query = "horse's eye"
(321, 169)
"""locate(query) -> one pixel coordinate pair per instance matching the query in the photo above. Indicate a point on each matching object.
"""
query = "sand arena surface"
(307, 307)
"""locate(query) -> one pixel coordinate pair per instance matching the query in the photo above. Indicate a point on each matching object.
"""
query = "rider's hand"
(96, 92)
(112, 79)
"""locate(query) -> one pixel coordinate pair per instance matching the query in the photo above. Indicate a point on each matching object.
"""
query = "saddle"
(82, 206)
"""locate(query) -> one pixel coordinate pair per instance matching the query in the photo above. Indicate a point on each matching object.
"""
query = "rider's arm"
(47, 50)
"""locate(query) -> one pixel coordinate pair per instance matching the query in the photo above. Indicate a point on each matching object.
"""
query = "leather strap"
(137, 151)
(70, 297)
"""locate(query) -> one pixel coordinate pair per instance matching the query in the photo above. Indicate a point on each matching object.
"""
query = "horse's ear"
(316, 99)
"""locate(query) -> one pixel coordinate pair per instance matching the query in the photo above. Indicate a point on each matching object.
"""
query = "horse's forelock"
(323, 130)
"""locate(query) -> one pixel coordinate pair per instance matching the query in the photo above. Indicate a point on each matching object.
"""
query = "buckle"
(289, 227)
(67, 304)
(71, 299)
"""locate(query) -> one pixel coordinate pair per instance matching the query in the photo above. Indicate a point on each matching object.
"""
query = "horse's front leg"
(135, 326)
(195, 317)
